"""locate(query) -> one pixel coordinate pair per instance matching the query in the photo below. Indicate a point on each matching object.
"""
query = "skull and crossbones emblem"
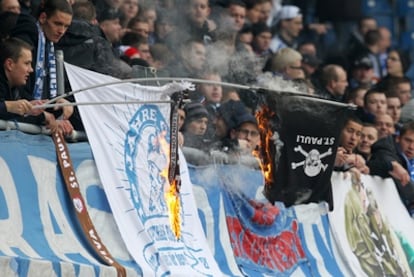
(312, 164)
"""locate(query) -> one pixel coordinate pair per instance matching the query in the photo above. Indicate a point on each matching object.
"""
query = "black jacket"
(197, 33)
(7, 93)
(385, 151)
(85, 46)
(325, 94)
(26, 29)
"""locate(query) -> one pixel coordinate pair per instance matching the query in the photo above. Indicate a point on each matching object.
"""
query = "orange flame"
(172, 195)
(264, 155)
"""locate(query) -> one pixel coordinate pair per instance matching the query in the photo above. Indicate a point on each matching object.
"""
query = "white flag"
(126, 141)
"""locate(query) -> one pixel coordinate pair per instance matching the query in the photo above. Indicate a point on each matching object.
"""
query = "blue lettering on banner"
(35, 213)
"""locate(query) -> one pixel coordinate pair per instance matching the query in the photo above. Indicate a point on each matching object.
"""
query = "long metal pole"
(46, 106)
(199, 81)
(135, 80)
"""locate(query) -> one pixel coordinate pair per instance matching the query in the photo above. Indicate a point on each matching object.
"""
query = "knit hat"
(194, 111)
(108, 14)
(131, 51)
(245, 118)
(311, 60)
(234, 114)
(362, 62)
(289, 12)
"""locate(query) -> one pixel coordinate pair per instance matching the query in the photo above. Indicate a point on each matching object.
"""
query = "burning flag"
(137, 174)
(299, 142)
(173, 189)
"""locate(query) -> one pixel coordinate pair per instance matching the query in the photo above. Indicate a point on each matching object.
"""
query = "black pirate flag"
(303, 139)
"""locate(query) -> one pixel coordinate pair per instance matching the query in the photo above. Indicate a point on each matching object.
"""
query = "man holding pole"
(54, 18)
(16, 58)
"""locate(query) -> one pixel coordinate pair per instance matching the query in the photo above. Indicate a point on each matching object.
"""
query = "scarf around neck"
(45, 65)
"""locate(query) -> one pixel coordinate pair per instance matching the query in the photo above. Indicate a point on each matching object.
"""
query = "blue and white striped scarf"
(42, 68)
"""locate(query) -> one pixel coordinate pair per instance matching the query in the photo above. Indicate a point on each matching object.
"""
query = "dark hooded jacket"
(84, 45)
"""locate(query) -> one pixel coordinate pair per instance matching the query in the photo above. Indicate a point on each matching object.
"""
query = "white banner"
(371, 226)
(126, 141)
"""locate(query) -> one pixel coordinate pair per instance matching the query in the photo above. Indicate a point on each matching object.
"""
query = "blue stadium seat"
(409, 22)
(374, 7)
(386, 20)
(410, 74)
(405, 8)
(407, 40)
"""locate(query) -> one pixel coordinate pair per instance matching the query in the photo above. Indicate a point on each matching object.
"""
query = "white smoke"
(278, 83)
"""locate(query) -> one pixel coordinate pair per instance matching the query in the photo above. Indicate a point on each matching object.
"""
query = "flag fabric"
(371, 226)
(318, 242)
(39, 234)
(127, 144)
(239, 220)
(265, 237)
(303, 146)
(261, 239)
(210, 203)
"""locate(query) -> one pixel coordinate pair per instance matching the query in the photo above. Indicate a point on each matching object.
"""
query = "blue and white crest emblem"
(145, 159)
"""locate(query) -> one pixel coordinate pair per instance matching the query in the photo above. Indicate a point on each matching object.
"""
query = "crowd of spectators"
(233, 41)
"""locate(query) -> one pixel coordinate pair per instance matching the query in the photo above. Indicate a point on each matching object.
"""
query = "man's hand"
(20, 107)
(35, 111)
(245, 147)
(62, 126)
(65, 126)
(399, 173)
(67, 110)
(51, 123)
(359, 162)
(340, 157)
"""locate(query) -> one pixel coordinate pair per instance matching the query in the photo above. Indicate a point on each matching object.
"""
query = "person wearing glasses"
(237, 128)
(247, 133)
(237, 135)
(287, 62)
